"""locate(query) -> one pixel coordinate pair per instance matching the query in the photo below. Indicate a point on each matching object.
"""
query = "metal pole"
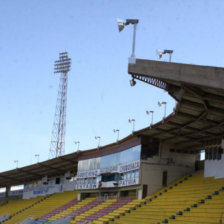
(99, 142)
(152, 117)
(37, 155)
(133, 125)
(133, 44)
(16, 161)
(170, 56)
(165, 110)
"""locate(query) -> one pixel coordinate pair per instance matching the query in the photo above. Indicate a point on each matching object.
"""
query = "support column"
(7, 192)
(140, 194)
(79, 196)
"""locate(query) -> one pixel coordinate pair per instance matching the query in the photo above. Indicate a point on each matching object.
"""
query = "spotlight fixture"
(148, 112)
(160, 53)
(37, 156)
(163, 103)
(132, 82)
(121, 25)
(132, 121)
(77, 143)
(98, 137)
(16, 161)
(117, 130)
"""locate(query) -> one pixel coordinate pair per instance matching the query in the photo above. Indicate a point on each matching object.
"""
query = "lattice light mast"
(57, 147)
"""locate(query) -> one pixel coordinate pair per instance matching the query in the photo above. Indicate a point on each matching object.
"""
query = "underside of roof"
(51, 168)
(198, 119)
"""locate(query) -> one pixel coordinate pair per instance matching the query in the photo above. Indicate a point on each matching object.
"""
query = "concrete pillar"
(79, 196)
(118, 194)
(7, 192)
(139, 194)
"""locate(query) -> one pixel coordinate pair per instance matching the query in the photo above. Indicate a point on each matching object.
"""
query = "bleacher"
(15, 207)
(101, 211)
(21, 210)
(191, 200)
(71, 210)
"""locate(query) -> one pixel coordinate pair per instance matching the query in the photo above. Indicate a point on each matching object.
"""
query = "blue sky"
(99, 95)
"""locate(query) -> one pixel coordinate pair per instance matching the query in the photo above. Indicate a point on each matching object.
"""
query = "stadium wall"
(214, 168)
(38, 189)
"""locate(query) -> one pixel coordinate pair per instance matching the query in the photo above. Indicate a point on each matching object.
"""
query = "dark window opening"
(150, 148)
(110, 177)
(214, 153)
(57, 180)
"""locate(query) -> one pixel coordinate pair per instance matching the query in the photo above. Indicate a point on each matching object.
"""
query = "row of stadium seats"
(72, 209)
(15, 207)
(101, 210)
(86, 210)
(129, 206)
(197, 200)
(60, 209)
(191, 199)
(58, 206)
(36, 210)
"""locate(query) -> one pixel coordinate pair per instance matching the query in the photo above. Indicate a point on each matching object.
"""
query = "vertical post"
(7, 192)
(133, 125)
(164, 109)
(170, 57)
(133, 44)
(152, 117)
(99, 143)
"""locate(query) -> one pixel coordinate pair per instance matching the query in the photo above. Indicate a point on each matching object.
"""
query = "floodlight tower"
(57, 147)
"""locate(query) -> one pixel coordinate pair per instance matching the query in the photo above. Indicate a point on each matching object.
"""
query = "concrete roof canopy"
(198, 119)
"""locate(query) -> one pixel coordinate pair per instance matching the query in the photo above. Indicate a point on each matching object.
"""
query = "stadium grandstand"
(152, 176)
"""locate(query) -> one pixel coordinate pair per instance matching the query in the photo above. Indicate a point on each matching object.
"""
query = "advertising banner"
(85, 186)
(130, 166)
(123, 183)
(126, 167)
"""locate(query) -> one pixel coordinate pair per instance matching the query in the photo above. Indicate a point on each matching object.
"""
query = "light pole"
(98, 137)
(121, 25)
(77, 143)
(37, 156)
(16, 161)
(57, 146)
(148, 112)
(161, 53)
(117, 130)
(163, 103)
(132, 121)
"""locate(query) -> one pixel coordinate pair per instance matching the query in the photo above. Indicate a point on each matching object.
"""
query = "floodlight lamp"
(131, 120)
(121, 24)
(168, 51)
(132, 82)
(159, 53)
(159, 104)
